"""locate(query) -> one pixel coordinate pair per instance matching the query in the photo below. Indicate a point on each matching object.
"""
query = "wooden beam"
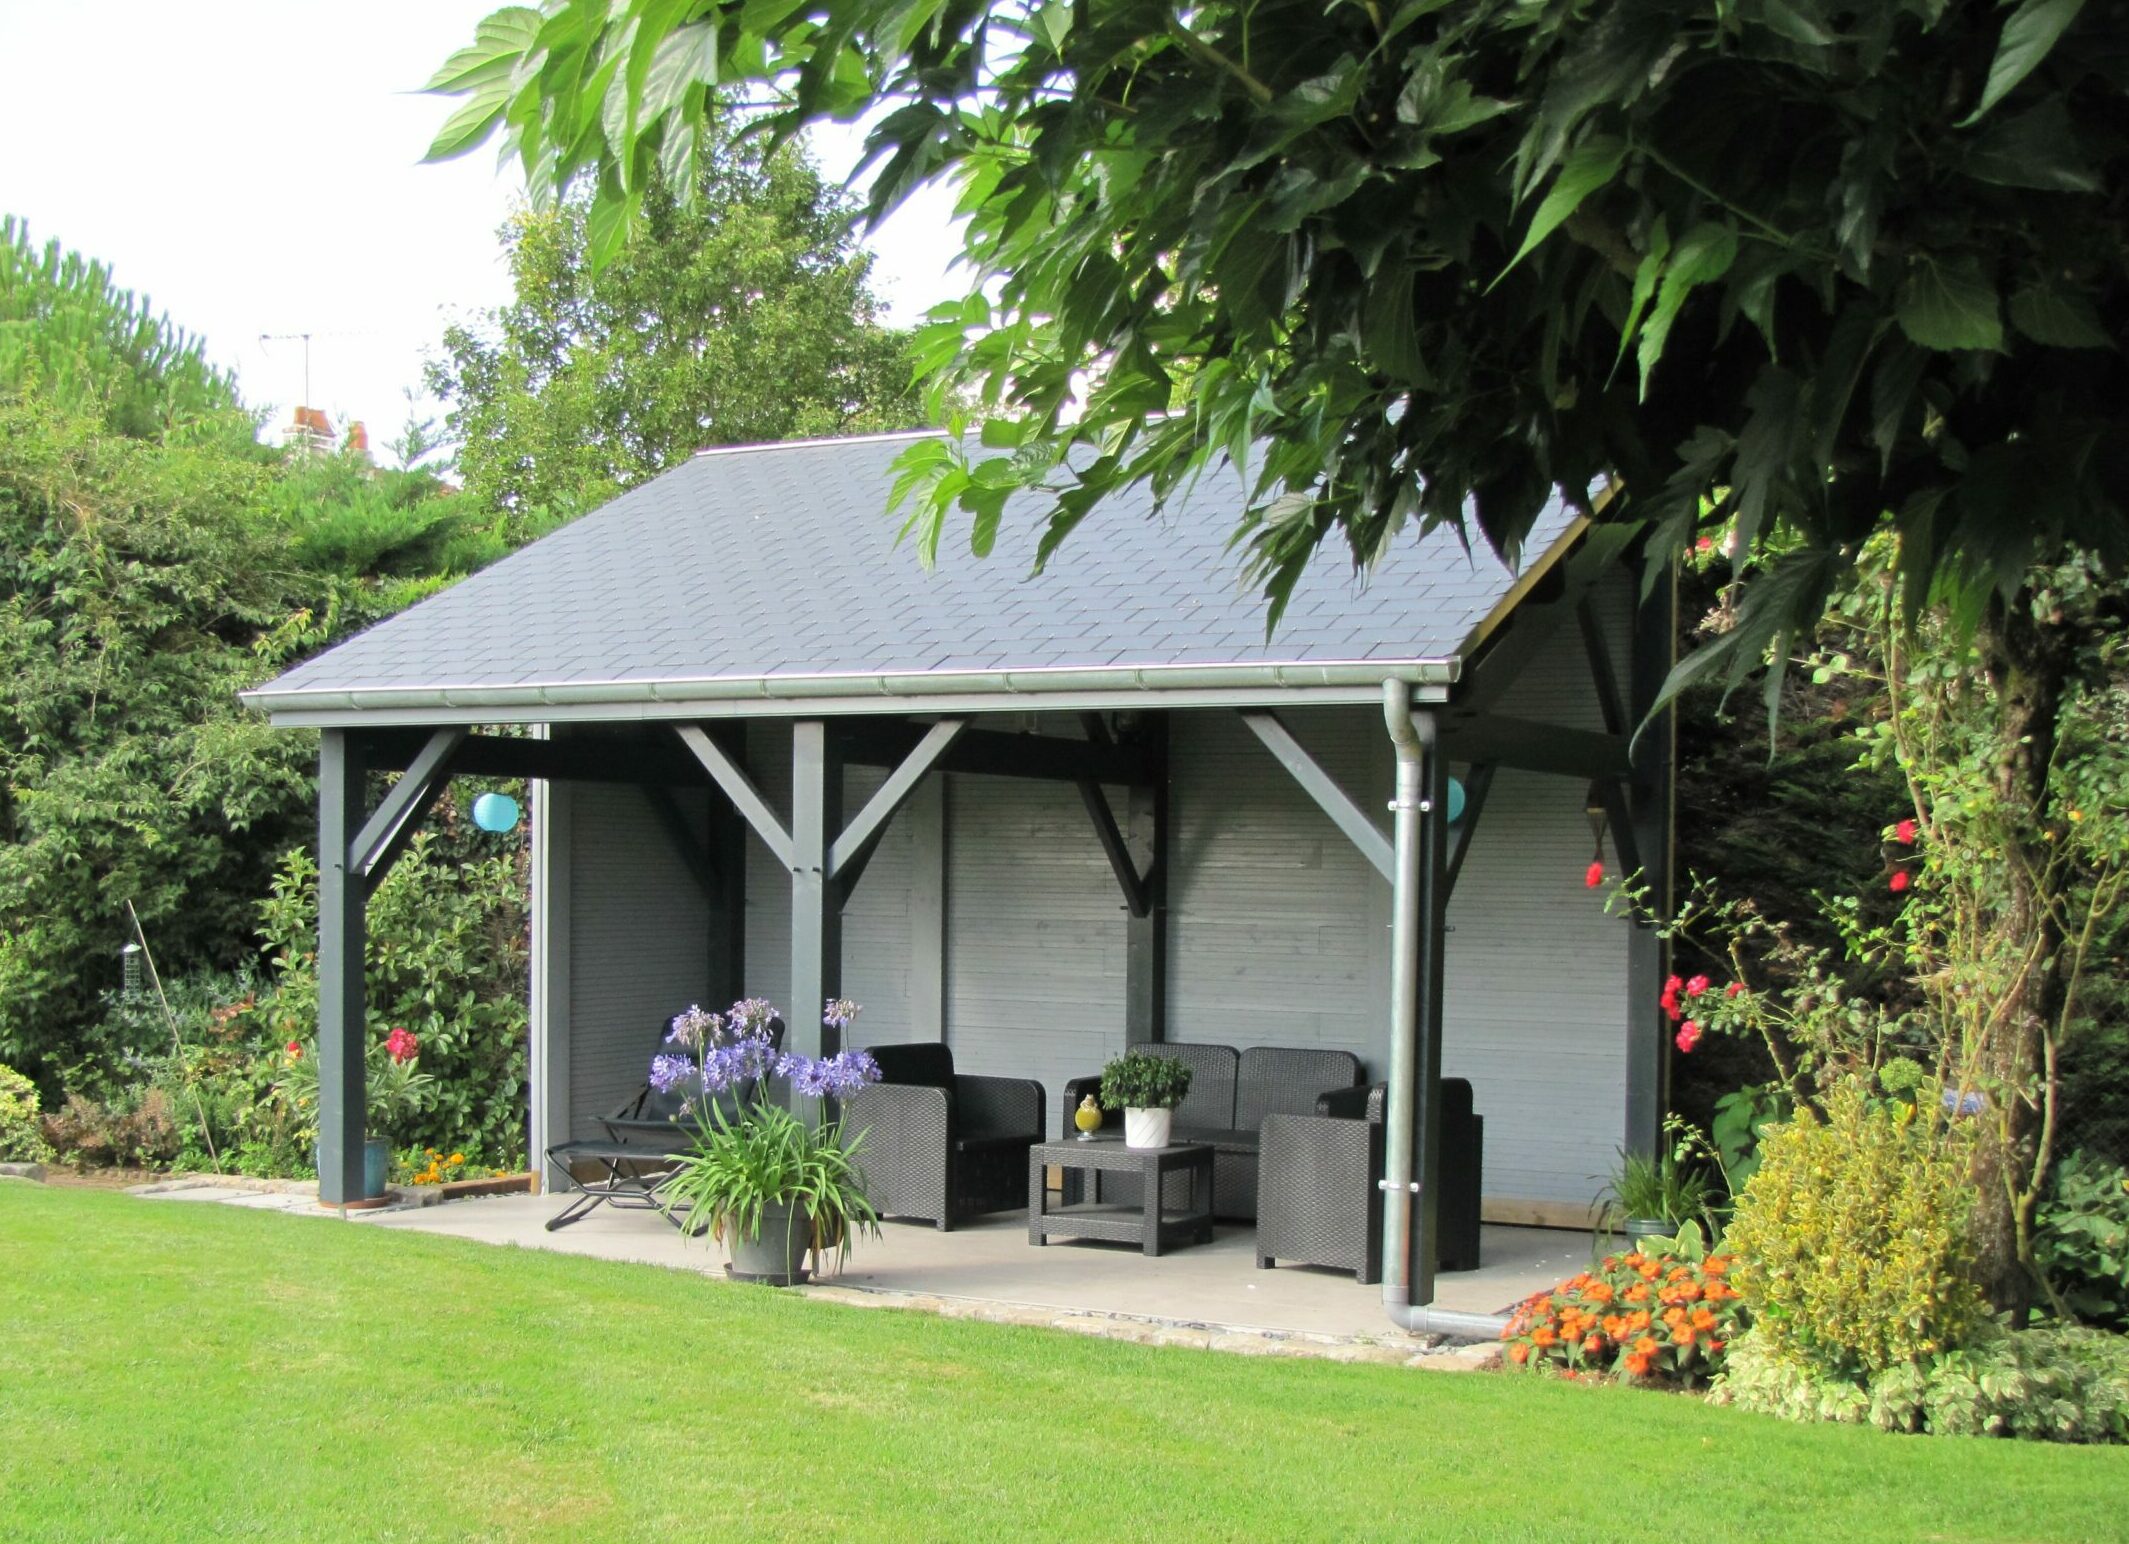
(385, 834)
(631, 759)
(992, 753)
(1320, 786)
(1146, 935)
(1535, 747)
(1600, 670)
(343, 1032)
(850, 850)
(740, 789)
(816, 911)
(1477, 785)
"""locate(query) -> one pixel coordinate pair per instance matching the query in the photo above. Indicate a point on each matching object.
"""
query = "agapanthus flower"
(695, 1029)
(737, 1063)
(839, 1012)
(669, 1072)
(750, 1017)
(829, 1077)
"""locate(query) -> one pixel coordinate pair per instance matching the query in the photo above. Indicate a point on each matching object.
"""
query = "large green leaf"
(1950, 304)
(1704, 254)
(2028, 38)
(1586, 168)
(2058, 318)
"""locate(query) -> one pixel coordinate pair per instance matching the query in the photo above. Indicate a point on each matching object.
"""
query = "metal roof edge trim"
(885, 686)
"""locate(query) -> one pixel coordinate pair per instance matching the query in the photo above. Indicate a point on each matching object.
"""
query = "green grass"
(173, 1371)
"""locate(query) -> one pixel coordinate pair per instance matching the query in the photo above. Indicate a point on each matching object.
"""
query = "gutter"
(1421, 774)
(1433, 676)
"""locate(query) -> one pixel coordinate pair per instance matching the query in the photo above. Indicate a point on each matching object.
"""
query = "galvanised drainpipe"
(1412, 1121)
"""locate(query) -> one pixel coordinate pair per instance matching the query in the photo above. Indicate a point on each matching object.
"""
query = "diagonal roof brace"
(1319, 785)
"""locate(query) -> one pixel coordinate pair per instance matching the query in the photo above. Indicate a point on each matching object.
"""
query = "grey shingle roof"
(774, 572)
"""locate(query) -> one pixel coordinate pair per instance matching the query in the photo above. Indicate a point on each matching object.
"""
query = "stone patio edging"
(1430, 1352)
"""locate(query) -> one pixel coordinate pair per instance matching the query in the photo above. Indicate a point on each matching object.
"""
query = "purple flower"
(839, 1012)
(829, 1077)
(750, 1018)
(669, 1072)
(741, 1062)
(695, 1029)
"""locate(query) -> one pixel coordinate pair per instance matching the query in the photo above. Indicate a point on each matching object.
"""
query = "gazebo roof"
(767, 579)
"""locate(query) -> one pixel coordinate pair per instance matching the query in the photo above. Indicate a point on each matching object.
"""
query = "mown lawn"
(172, 1371)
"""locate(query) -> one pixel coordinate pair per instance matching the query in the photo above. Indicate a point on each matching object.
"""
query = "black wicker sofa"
(1231, 1094)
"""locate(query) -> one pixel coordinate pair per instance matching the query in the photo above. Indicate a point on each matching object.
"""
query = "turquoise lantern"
(1456, 800)
(498, 812)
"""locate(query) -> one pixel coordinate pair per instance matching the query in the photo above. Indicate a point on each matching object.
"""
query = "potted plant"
(1652, 1196)
(771, 1186)
(1147, 1087)
(394, 1087)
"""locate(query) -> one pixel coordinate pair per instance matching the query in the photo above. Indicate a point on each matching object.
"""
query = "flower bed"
(1659, 1318)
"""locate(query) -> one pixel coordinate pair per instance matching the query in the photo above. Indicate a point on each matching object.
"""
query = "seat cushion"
(1276, 1080)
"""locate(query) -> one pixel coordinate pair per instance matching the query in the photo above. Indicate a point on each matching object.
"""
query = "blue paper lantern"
(1456, 800)
(495, 812)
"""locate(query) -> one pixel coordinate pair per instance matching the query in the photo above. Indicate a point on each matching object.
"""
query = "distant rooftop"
(768, 579)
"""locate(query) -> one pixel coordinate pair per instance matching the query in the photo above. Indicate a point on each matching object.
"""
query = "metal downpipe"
(1421, 778)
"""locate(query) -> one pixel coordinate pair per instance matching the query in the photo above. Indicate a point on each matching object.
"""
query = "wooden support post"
(1430, 972)
(816, 908)
(1649, 814)
(342, 1008)
(1146, 930)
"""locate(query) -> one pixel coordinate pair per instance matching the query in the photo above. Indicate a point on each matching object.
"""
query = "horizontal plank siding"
(641, 942)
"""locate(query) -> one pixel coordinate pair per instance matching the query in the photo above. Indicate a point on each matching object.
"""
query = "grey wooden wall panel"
(1279, 937)
(1557, 687)
(1276, 923)
(640, 943)
(1035, 924)
(768, 748)
(876, 929)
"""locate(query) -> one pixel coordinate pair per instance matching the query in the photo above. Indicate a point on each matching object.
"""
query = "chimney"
(358, 440)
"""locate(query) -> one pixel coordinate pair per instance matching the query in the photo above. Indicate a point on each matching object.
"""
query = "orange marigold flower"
(1637, 1366)
(1519, 1353)
(1645, 1347)
(1637, 1293)
(1637, 1320)
(1600, 1292)
(1715, 1265)
(1593, 1344)
(1715, 1348)
(1682, 1334)
(1701, 1319)
(1614, 1325)
(1649, 1270)
(1679, 1273)
(1543, 1335)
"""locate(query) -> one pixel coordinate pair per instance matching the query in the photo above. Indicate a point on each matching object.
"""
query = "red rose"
(1593, 876)
(1904, 833)
(1688, 1036)
(1900, 881)
(1696, 986)
(1733, 989)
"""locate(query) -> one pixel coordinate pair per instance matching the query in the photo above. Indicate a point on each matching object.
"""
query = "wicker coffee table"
(1148, 1224)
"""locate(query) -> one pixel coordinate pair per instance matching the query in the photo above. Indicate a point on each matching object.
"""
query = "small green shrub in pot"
(1147, 1087)
(1852, 1238)
(1655, 1193)
(21, 1138)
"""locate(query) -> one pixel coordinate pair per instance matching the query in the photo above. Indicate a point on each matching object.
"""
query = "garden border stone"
(33, 1172)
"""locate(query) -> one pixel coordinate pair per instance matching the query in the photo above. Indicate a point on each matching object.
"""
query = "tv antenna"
(291, 337)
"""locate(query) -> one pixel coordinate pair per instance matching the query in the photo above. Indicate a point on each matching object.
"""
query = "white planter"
(1147, 1128)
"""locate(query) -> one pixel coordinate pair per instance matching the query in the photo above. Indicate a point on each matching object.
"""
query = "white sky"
(253, 166)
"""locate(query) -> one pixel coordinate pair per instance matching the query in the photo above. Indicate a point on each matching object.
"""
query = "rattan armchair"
(1317, 1201)
(942, 1146)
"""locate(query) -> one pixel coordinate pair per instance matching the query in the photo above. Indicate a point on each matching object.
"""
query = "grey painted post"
(816, 915)
(1146, 938)
(1648, 954)
(342, 1012)
(728, 923)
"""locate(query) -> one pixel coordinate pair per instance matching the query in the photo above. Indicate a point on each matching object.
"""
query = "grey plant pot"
(776, 1257)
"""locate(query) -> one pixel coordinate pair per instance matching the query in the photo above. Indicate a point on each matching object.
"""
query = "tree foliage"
(155, 559)
(743, 315)
(1796, 264)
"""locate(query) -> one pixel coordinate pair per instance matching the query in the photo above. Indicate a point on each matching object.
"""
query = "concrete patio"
(992, 1262)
